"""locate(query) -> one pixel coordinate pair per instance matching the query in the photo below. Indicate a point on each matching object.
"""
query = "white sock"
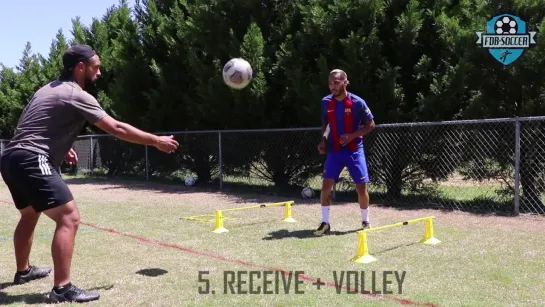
(325, 214)
(365, 215)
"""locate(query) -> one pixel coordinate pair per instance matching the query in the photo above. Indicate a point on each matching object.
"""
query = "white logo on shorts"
(43, 165)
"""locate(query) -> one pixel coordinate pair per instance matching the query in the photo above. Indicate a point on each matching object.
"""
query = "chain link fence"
(495, 165)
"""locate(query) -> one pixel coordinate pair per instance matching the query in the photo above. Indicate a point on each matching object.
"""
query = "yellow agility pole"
(287, 213)
(363, 256)
(204, 218)
(220, 228)
(429, 237)
(219, 223)
(363, 251)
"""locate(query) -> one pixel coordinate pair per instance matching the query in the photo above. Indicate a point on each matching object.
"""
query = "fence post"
(516, 209)
(147, 162)
(91, 164)
(220, 161)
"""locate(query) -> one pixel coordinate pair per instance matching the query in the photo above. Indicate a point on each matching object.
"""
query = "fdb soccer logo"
(506, 38)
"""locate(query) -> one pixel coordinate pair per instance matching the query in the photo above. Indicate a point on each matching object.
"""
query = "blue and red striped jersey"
(345, 116)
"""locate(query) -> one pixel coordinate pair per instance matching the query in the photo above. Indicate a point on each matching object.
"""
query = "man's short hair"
(339, 73)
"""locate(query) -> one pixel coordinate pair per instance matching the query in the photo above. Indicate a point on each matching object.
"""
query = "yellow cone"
(287, 213)
(219, 223)
(428, 234)
(363, 252)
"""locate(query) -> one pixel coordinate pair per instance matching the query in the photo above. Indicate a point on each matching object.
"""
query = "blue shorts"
(354, 161)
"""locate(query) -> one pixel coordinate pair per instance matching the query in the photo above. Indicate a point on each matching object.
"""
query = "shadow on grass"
(393, 248)
(152, 272)
(478, 206)
(6, 285)
(240, 193)
(302, 234)
(33, 298)
(245, 193)
(30, 299)
(129, 184)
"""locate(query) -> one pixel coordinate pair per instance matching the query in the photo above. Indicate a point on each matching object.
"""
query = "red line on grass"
(402, 301)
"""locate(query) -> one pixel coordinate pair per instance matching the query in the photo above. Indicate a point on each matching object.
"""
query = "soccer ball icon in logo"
(506, 25)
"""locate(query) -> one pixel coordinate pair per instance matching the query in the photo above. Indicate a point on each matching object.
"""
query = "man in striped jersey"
(346, 120)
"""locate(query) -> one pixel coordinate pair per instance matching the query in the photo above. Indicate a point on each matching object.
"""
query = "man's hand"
(321, 147)
(347, 138)
(167, 144)
(71, 157)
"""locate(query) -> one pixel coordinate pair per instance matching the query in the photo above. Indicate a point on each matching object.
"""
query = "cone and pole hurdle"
(363, 255)
(220, 228)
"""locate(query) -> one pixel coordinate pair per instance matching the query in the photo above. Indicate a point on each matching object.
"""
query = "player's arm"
(367, 119)
(125, 131)
(131, 134)
(325, 128)
(366, 128)
(95, 115)
(325, 123)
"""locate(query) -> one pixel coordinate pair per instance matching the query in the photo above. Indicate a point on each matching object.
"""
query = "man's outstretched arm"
(131, 134)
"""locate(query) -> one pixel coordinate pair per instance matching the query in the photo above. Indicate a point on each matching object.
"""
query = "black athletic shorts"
(32, 181)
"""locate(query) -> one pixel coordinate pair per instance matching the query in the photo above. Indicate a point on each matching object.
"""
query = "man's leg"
(23, 237)
(357, 166)
(326, 197)
(67, 220)
(332, 170)
(62, 248)
(13, 169)
(22, 240)
(363, 199)
(47, 192)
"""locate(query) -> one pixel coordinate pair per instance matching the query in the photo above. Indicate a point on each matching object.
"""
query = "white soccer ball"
(189, 181)
(237, 73)
(307, 193)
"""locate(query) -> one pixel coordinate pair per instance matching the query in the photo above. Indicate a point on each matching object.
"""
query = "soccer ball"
(189, 181)
(237, 73)
(307, 193)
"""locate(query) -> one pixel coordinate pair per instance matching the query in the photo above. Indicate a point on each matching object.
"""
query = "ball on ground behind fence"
(307, 193)
(189, 181)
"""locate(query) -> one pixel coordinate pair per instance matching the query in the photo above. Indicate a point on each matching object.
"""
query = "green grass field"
(136, 251)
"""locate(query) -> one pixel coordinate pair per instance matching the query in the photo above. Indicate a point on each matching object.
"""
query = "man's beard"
(90, 86)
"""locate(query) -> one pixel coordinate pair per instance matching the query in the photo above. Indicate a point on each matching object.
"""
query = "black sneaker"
(323, 229)
(73, 294)
(365, 225)
(33, 273)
